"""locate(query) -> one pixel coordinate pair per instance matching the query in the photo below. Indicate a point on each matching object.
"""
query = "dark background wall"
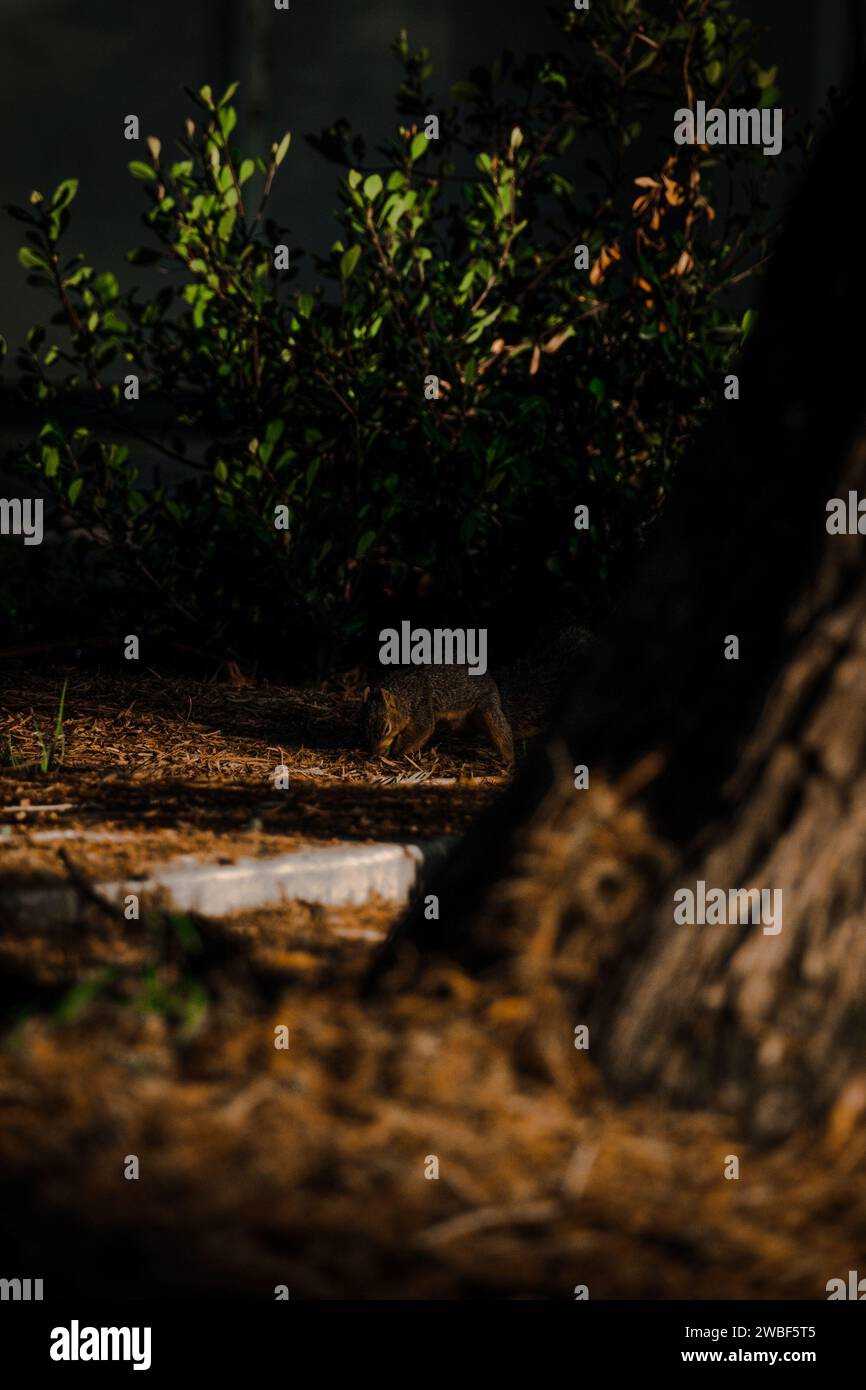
(70, 70)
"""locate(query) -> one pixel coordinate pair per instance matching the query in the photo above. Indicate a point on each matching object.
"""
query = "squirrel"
(400, 714)
(530, 686)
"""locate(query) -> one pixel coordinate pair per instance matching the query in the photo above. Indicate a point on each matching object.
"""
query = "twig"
(488, 1218)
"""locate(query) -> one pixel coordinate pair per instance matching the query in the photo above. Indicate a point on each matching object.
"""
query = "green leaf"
(420, 145)
(246, 171)
(364, 543)
(226, 224)
(74, 489)
(282, 148)
(349, 261)
(201, 303)
(63, 194)
(106, 286)
(713, 72)
(113, 323)
(401, 205)
(465, 91)
(228, 119)
(478, 328)
(140, 170)
(30, 261)
(372, 187)
(228, 93)
(221, 471)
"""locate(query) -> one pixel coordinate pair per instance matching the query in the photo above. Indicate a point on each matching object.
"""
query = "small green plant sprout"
(52, 749)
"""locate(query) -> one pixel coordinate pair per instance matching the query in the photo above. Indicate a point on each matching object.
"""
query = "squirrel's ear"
(365, 697)
(388, 699)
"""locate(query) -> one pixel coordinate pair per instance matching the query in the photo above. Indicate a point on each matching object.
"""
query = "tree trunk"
(742, 773)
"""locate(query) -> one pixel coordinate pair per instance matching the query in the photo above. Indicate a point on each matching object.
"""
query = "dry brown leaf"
(555, 343)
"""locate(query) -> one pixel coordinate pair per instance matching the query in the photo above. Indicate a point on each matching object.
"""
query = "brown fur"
(401, 715)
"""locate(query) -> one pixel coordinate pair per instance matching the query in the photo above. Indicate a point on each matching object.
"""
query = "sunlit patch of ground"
(176, 767)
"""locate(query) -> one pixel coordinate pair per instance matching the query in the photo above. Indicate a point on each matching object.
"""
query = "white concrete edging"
(334, 875)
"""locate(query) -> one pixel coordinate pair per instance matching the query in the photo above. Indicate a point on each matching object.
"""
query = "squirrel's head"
(381, 719)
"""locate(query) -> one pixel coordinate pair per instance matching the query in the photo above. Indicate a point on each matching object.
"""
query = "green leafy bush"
(456, 259)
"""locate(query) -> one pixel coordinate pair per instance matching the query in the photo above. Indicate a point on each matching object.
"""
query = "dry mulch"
(185, 767)
(295, 941)
(307, 1166)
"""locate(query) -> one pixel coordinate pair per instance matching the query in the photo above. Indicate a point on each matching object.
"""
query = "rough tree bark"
(748, 773)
